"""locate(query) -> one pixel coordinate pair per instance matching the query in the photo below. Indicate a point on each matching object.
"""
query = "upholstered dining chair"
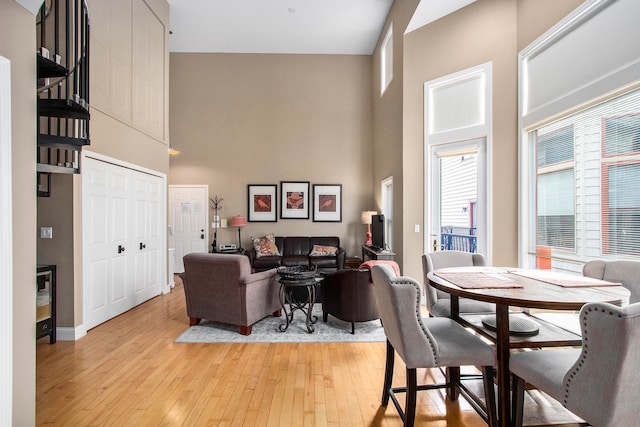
(625, 272)
(426, 343)
(438, 302)
(598, 382)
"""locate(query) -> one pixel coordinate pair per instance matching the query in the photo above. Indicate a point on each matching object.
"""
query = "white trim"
(479, 135)
(66, 333)
(6, 247)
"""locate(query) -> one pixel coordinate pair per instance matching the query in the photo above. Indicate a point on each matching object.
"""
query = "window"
(386, 187)
(386, 60)
(585, 193)
(620, 178)
(579, 140)
(555, 189)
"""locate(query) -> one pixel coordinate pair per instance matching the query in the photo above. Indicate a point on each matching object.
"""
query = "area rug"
(267, 330)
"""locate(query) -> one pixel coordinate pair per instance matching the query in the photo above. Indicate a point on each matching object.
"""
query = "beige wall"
(485, 31)
(242, 119)
(17, 41)
(387, 122)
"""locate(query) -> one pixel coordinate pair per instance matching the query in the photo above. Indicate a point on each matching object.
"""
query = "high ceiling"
(350, 27)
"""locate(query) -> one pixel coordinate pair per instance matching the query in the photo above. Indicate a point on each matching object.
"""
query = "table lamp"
(365, 218)
(239, 221)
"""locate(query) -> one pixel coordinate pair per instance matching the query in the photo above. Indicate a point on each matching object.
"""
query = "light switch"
(416, 228)
(46, 232)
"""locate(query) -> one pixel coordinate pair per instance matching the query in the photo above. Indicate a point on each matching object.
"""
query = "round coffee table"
(286, 297)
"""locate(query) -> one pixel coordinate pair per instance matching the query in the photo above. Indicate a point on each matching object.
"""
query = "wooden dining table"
(536, 289)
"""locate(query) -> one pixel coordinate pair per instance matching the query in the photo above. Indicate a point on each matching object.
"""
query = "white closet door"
(147, 233)
(106, 237)
(123, 239)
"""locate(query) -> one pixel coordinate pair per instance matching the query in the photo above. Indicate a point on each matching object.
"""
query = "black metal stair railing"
(63, 86)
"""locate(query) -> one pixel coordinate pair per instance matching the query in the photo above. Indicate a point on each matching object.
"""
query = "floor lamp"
(239, 221)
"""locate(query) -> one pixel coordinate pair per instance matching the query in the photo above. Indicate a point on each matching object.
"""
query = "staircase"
(63, 88)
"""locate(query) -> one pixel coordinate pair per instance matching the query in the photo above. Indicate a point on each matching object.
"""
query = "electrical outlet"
(46, 232)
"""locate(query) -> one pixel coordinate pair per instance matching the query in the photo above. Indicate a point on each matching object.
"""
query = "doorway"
(188, 219)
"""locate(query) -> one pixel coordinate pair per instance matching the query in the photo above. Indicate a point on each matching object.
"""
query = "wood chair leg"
(194, 321)
(517, 404)
(388, 374)
(453, 379)
(245, 330)
(353, 328)
(490, 395)
(412, 390)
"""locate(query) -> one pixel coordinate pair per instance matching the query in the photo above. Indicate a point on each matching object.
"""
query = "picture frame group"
(296, 201)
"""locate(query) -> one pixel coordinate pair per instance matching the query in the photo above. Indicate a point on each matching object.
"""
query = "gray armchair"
(425, 343)
(625, 272)
(221, 288)
(598, 382)
(438, 302)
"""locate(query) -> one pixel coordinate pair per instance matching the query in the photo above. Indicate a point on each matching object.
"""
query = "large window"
(579, 157)
(586, 191)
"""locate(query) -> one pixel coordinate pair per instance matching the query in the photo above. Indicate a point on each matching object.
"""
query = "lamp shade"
(238, 221)
(365, 217)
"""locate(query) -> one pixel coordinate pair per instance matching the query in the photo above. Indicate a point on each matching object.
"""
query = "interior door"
(188, 217)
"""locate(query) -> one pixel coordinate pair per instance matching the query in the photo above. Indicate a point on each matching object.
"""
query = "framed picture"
(262, 203)
(295, 199)
(327, 202)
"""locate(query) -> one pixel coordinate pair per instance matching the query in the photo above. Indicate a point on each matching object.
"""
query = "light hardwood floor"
(129, 372)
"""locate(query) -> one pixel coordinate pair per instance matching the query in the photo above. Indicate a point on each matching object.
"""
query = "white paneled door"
(123, 235)
(188, 208)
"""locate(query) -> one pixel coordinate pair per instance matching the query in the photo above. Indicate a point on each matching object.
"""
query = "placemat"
(478, 280)
(564, 280)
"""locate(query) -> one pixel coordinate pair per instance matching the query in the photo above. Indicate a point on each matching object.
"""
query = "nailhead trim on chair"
(583, 355)
(419, 317)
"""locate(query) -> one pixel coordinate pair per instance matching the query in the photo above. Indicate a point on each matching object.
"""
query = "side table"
(369, 253)
(287, 297)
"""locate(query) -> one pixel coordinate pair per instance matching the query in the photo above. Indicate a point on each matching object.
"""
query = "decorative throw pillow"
(320, 250)
(265, 245)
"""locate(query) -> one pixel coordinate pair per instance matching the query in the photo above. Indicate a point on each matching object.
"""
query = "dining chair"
(426, 343)
(597, 382)
(439, 302)
(625, 272)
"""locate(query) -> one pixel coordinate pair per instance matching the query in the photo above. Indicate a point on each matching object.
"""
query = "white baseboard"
(65, 333)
